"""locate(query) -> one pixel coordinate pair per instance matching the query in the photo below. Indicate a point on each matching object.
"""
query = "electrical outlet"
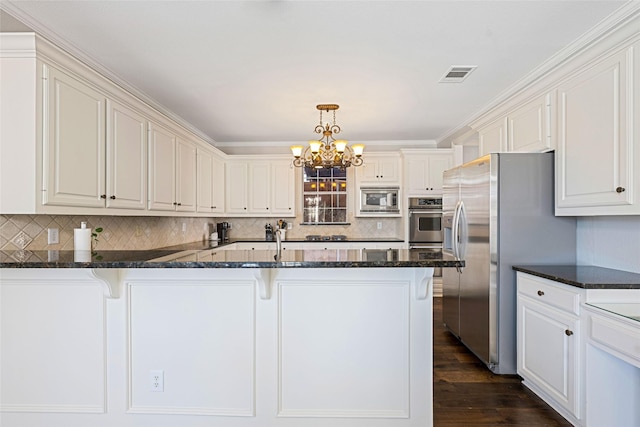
(138, 231)
(289, 225)
(156, 381)
(184, 227)
(379, 225)
(53, 236)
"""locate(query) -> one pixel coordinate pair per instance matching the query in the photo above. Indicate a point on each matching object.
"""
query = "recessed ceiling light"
(457, 73)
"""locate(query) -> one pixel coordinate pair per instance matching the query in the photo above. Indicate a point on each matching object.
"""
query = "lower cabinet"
(549, 343)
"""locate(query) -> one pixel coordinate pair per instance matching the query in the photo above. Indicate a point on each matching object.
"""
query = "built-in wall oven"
(425, 229)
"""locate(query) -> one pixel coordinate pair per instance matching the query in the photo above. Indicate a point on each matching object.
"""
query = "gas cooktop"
(318, 237)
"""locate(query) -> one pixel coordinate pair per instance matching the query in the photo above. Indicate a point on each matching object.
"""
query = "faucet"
(278, 245)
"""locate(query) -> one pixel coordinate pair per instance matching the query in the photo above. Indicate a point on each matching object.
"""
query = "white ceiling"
(250, 73)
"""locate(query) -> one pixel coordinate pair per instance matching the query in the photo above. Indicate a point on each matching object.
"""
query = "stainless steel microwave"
(379, 199)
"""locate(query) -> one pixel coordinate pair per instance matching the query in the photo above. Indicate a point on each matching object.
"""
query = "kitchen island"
(315, 338)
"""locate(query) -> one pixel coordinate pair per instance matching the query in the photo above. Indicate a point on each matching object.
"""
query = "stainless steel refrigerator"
(498, 212)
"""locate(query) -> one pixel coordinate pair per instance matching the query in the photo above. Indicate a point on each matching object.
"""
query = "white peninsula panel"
(52, 341)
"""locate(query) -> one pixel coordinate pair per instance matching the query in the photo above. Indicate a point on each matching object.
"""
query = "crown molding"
(54, 38)
(619, 23)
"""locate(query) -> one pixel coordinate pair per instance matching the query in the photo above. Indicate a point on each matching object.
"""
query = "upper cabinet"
(423, 170)
(598, 156)
(529, 126)
(526, 128)
(210, 182)
(379, 169)
(259, 186)
(493, 137)
(74, 143)
(172, 171)
(126, 157)
(94, 150)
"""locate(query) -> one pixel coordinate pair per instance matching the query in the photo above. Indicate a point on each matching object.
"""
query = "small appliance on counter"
(268, 233)
(223, 231)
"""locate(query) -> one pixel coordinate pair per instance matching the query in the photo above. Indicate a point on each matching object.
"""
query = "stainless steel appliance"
(498, 211)
(223, 231)
(425, 229)
(425, 221)
(379, 200)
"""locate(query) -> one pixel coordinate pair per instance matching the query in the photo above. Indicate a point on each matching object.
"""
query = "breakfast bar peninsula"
(222, 338)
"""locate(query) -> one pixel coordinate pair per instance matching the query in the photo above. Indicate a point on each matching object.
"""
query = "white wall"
(612, 242)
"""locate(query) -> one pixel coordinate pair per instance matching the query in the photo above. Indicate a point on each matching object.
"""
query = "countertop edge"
(584, 276)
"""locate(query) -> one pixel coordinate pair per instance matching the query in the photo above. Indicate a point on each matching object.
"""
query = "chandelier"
(327, 152)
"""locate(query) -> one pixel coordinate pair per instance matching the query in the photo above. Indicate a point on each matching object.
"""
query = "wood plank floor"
(467, 393)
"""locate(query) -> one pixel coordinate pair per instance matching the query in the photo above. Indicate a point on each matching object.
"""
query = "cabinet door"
(259, 187)
(236, 187)
(423, 174)
(493, 138)
(368, 172)
(74, 146)
(595, 167)
(162, 168)
(388, 170)
(417, 175)
(126, 157)
(378, 170)
(283, 188)
(529, 126)
(186, 176)
(218, 186)
(548, 344)
(436, 165)
(205, 181)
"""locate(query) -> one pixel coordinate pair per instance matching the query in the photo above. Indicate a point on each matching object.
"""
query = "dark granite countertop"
(584, 276)
(307, 258)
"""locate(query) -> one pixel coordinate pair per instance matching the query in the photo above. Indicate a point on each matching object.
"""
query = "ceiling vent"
(457, 73)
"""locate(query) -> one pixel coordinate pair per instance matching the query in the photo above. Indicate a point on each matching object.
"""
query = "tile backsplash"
(135, 233)
(119, 232)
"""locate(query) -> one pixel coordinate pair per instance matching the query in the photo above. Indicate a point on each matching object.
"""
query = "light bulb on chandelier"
(327, 152)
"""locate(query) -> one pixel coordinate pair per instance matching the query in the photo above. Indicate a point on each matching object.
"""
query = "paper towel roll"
(82, 238)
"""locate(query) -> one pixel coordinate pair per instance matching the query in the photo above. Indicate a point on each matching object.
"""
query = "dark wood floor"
(466, 393)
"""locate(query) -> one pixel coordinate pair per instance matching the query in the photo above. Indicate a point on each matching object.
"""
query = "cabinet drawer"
(616, 336)
(546, 292)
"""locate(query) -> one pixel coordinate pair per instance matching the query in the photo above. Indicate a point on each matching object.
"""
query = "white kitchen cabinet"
(598, 160)
(186, 176)
(84, 142)
(126, 157)
(90, 161)
(549, 342)
(423, 171)
(172, 171)
(493, 137)
(236, 184)
(262, 187)
(162, 168)
(74, 142)
(529, 126)
(218, 185)
(283, 188)
(259, 187)
(379, 169)
(210, 183)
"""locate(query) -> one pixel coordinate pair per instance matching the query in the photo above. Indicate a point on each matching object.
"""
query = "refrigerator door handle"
(454, 229)
(461, 224)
